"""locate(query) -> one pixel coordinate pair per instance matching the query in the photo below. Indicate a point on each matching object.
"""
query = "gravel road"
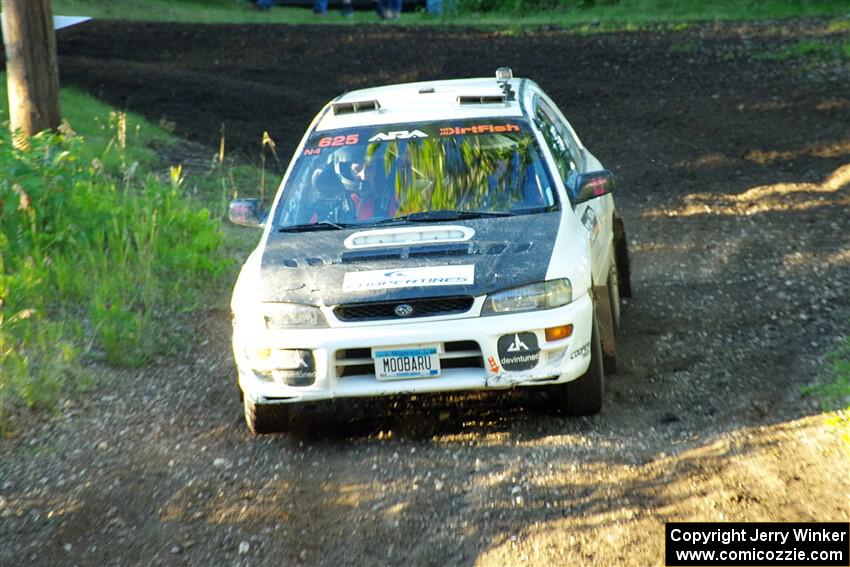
(734, 178)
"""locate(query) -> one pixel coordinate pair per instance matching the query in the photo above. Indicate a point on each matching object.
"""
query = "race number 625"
(335, 141)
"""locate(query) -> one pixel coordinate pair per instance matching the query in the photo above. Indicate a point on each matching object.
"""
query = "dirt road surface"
(734, 181)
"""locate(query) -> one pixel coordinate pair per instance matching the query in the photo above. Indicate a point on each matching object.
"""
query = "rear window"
(364, 175)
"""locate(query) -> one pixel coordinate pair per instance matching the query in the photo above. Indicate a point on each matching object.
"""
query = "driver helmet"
(349, 164)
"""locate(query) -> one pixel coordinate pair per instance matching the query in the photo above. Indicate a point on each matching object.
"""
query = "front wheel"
(265, 418)
(583, 396)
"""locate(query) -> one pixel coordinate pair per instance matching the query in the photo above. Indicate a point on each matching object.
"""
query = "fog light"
(558, 333)
(286, 359)
(258, 354)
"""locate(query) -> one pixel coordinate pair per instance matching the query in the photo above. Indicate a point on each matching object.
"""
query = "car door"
(595, 215)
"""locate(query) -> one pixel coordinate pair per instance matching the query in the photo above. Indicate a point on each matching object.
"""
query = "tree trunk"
(31, 67)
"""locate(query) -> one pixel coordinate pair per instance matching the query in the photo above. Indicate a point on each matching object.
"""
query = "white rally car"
(431, 237)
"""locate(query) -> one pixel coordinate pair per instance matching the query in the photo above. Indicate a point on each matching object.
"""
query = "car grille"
(456, 354)
(376, 311)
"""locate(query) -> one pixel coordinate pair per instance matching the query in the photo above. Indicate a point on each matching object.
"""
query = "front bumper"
(560, 361)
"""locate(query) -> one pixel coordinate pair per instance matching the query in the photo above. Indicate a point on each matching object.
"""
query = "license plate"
(400, 363)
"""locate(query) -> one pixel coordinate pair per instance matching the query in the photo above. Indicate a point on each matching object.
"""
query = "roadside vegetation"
(604, 14)
(103, 252)
(834, 47)
(811, 50)
(833, 391)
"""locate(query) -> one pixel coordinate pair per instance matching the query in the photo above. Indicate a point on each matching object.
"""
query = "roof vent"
(357, 106)
(486, 99)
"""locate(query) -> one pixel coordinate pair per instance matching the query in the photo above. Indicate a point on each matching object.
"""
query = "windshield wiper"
(321, 225)
(421, 216)
(395, 220)
(533, 211)
(483, 214)
(428, 216)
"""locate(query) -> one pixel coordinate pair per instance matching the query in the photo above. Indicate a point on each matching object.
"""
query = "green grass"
(617, 14)
(833, 391)
(104, 250)
(685, 47)
(839, 26)
(809, 50)
(103, 128)
(99, 123)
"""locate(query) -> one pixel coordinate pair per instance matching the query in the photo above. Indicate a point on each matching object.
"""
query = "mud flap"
(621, 254)
(605, 320)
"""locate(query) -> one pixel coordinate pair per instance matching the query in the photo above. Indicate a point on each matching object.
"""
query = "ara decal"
(494, 366)
(397, 135)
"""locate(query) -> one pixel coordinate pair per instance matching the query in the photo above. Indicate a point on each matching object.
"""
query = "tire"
(621, 253)
(583, 396)
(265, 418)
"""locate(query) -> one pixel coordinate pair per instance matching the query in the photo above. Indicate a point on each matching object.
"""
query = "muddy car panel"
(350, 286)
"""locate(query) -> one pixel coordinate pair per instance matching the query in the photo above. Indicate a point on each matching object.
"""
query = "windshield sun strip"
(510, 136)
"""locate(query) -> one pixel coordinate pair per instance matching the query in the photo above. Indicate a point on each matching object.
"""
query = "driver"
(357, 173)
(352, 169)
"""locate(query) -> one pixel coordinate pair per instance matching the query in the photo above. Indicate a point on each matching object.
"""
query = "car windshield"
(415, 172)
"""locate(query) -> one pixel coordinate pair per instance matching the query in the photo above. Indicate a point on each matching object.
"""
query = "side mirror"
(592, 185)
(246, 212)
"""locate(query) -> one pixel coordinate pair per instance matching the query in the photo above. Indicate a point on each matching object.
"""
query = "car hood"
(316, 267)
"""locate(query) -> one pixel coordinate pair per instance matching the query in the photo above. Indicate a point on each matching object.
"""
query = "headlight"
(291, 315)
(542, 295)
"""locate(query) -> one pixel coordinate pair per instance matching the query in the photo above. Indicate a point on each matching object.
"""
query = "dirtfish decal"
(479, 129)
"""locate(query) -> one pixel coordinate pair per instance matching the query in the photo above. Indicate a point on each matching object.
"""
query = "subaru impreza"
(432, 237)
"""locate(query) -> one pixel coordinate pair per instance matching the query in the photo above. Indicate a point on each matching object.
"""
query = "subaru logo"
(403, 310)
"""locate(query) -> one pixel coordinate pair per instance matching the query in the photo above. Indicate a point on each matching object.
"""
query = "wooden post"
(32, 71)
